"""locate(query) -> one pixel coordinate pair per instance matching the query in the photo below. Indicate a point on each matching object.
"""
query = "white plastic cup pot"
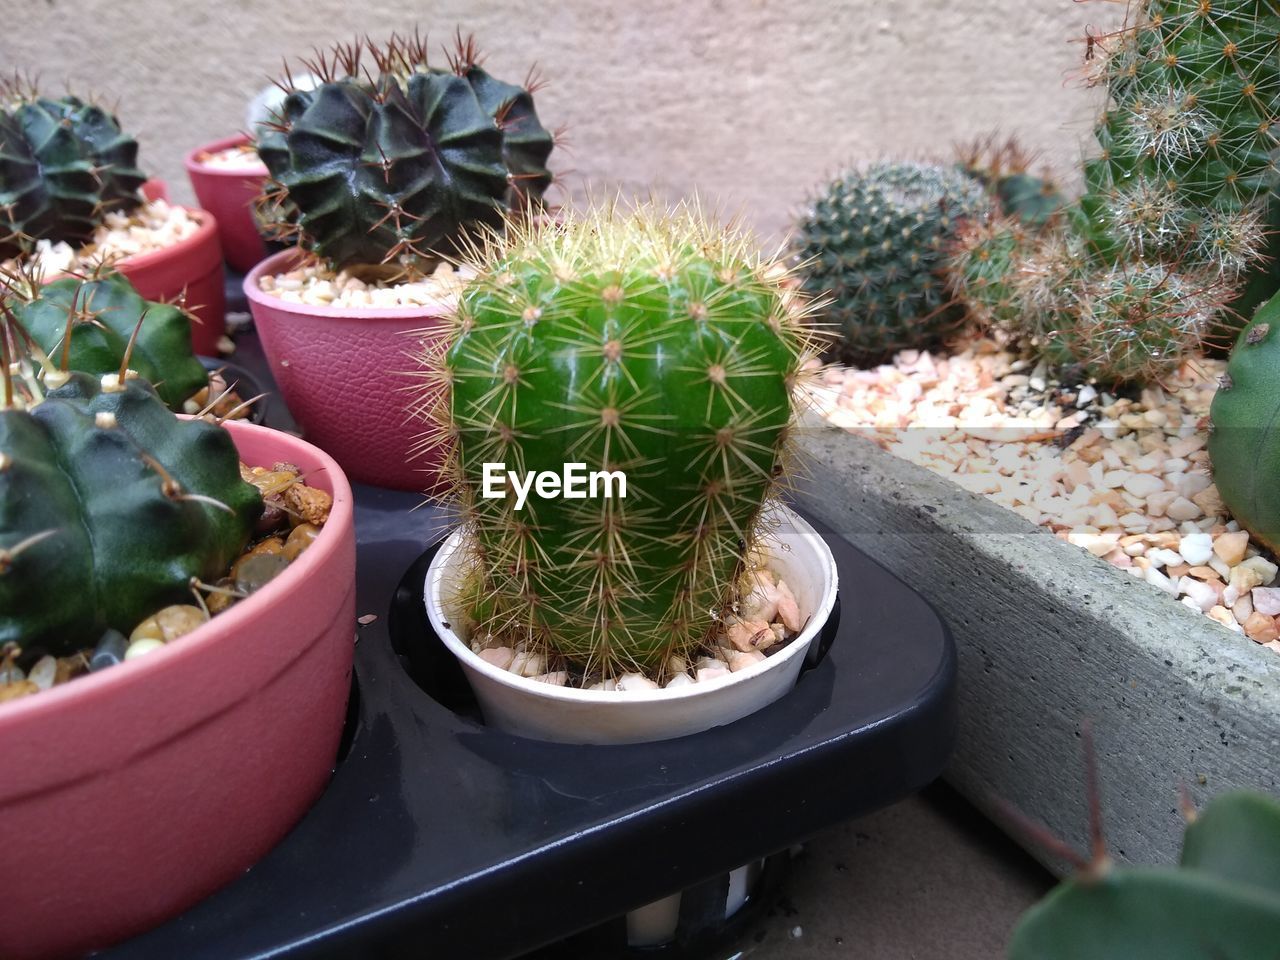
(543, 711)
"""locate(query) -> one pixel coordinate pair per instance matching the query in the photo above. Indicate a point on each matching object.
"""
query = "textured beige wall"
(747, 101)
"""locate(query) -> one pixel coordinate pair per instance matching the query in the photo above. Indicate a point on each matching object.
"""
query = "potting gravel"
(1126, 478)
(767, 619)
(316, 284)
(153, 226)
(241, 157)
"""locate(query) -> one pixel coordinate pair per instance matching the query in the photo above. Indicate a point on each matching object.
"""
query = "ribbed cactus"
(389, 159)
(92, 324)
(109, 504)
(652, 344)
(1222, 902)
(1004, 168)
(874, 244)
(1179, 190)
(1245, 443)
(64, 163)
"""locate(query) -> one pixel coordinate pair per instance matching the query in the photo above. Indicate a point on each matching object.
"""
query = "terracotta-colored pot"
(129, 794)
(229, 195)
(346, 376)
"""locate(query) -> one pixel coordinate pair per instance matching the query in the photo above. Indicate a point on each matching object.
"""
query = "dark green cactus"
(91, 324)
(1004, 168)
(109, 504)
(983, 270)
(389, 159)
(1244, 445)
(64, 164)
(875, 244)
(650, 344)
(1221, 903)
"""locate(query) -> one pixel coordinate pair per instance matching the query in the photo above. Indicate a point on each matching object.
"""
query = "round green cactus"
(653, 345)
(874, 245)
(100, 324)
(389, 159)
(109, 504)
(1245, 443)
(1128, 324)
(64, 163)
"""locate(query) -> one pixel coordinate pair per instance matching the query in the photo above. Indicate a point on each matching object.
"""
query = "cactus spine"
(109, 504)
(64, 163)
(390, 159)
(874, 245)
(1244, 445)
(100, 324)
(648, 343)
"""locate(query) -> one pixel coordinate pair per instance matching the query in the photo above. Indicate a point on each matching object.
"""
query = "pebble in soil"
(296, 514)
(315, 284)
(1126, 478)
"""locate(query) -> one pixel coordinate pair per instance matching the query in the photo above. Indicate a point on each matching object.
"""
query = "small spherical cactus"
(874, 246)
(648, 344)
(1129, 324)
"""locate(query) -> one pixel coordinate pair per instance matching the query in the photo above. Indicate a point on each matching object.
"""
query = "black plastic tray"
(441, 838)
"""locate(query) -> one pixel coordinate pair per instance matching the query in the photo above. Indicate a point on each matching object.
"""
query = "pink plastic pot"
(346, 376)
(128, 795)
(229, 196)
(192, 268)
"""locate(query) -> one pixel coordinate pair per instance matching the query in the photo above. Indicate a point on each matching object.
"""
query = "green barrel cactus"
(109, 504)
(874, 245)
(1222, 902)
(101, 324)
(650, 344)
(1244, 445)
(390, 159)
(64, 163)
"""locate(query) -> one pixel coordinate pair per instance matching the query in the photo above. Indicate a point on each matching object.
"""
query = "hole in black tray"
(433, 668)
(427, 661)
(351, 723)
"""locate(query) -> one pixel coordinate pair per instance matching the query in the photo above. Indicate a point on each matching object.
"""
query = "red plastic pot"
(128, 795)
(229, 195)
(346, 375)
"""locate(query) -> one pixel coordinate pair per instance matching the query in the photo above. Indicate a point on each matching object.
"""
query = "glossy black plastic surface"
(443, 839)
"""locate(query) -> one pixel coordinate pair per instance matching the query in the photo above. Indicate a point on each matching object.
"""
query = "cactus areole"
(652, 345)
(390, 159)
(1245, 441)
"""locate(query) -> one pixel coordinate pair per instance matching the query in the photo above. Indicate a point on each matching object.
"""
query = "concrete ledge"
(1048, 637)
